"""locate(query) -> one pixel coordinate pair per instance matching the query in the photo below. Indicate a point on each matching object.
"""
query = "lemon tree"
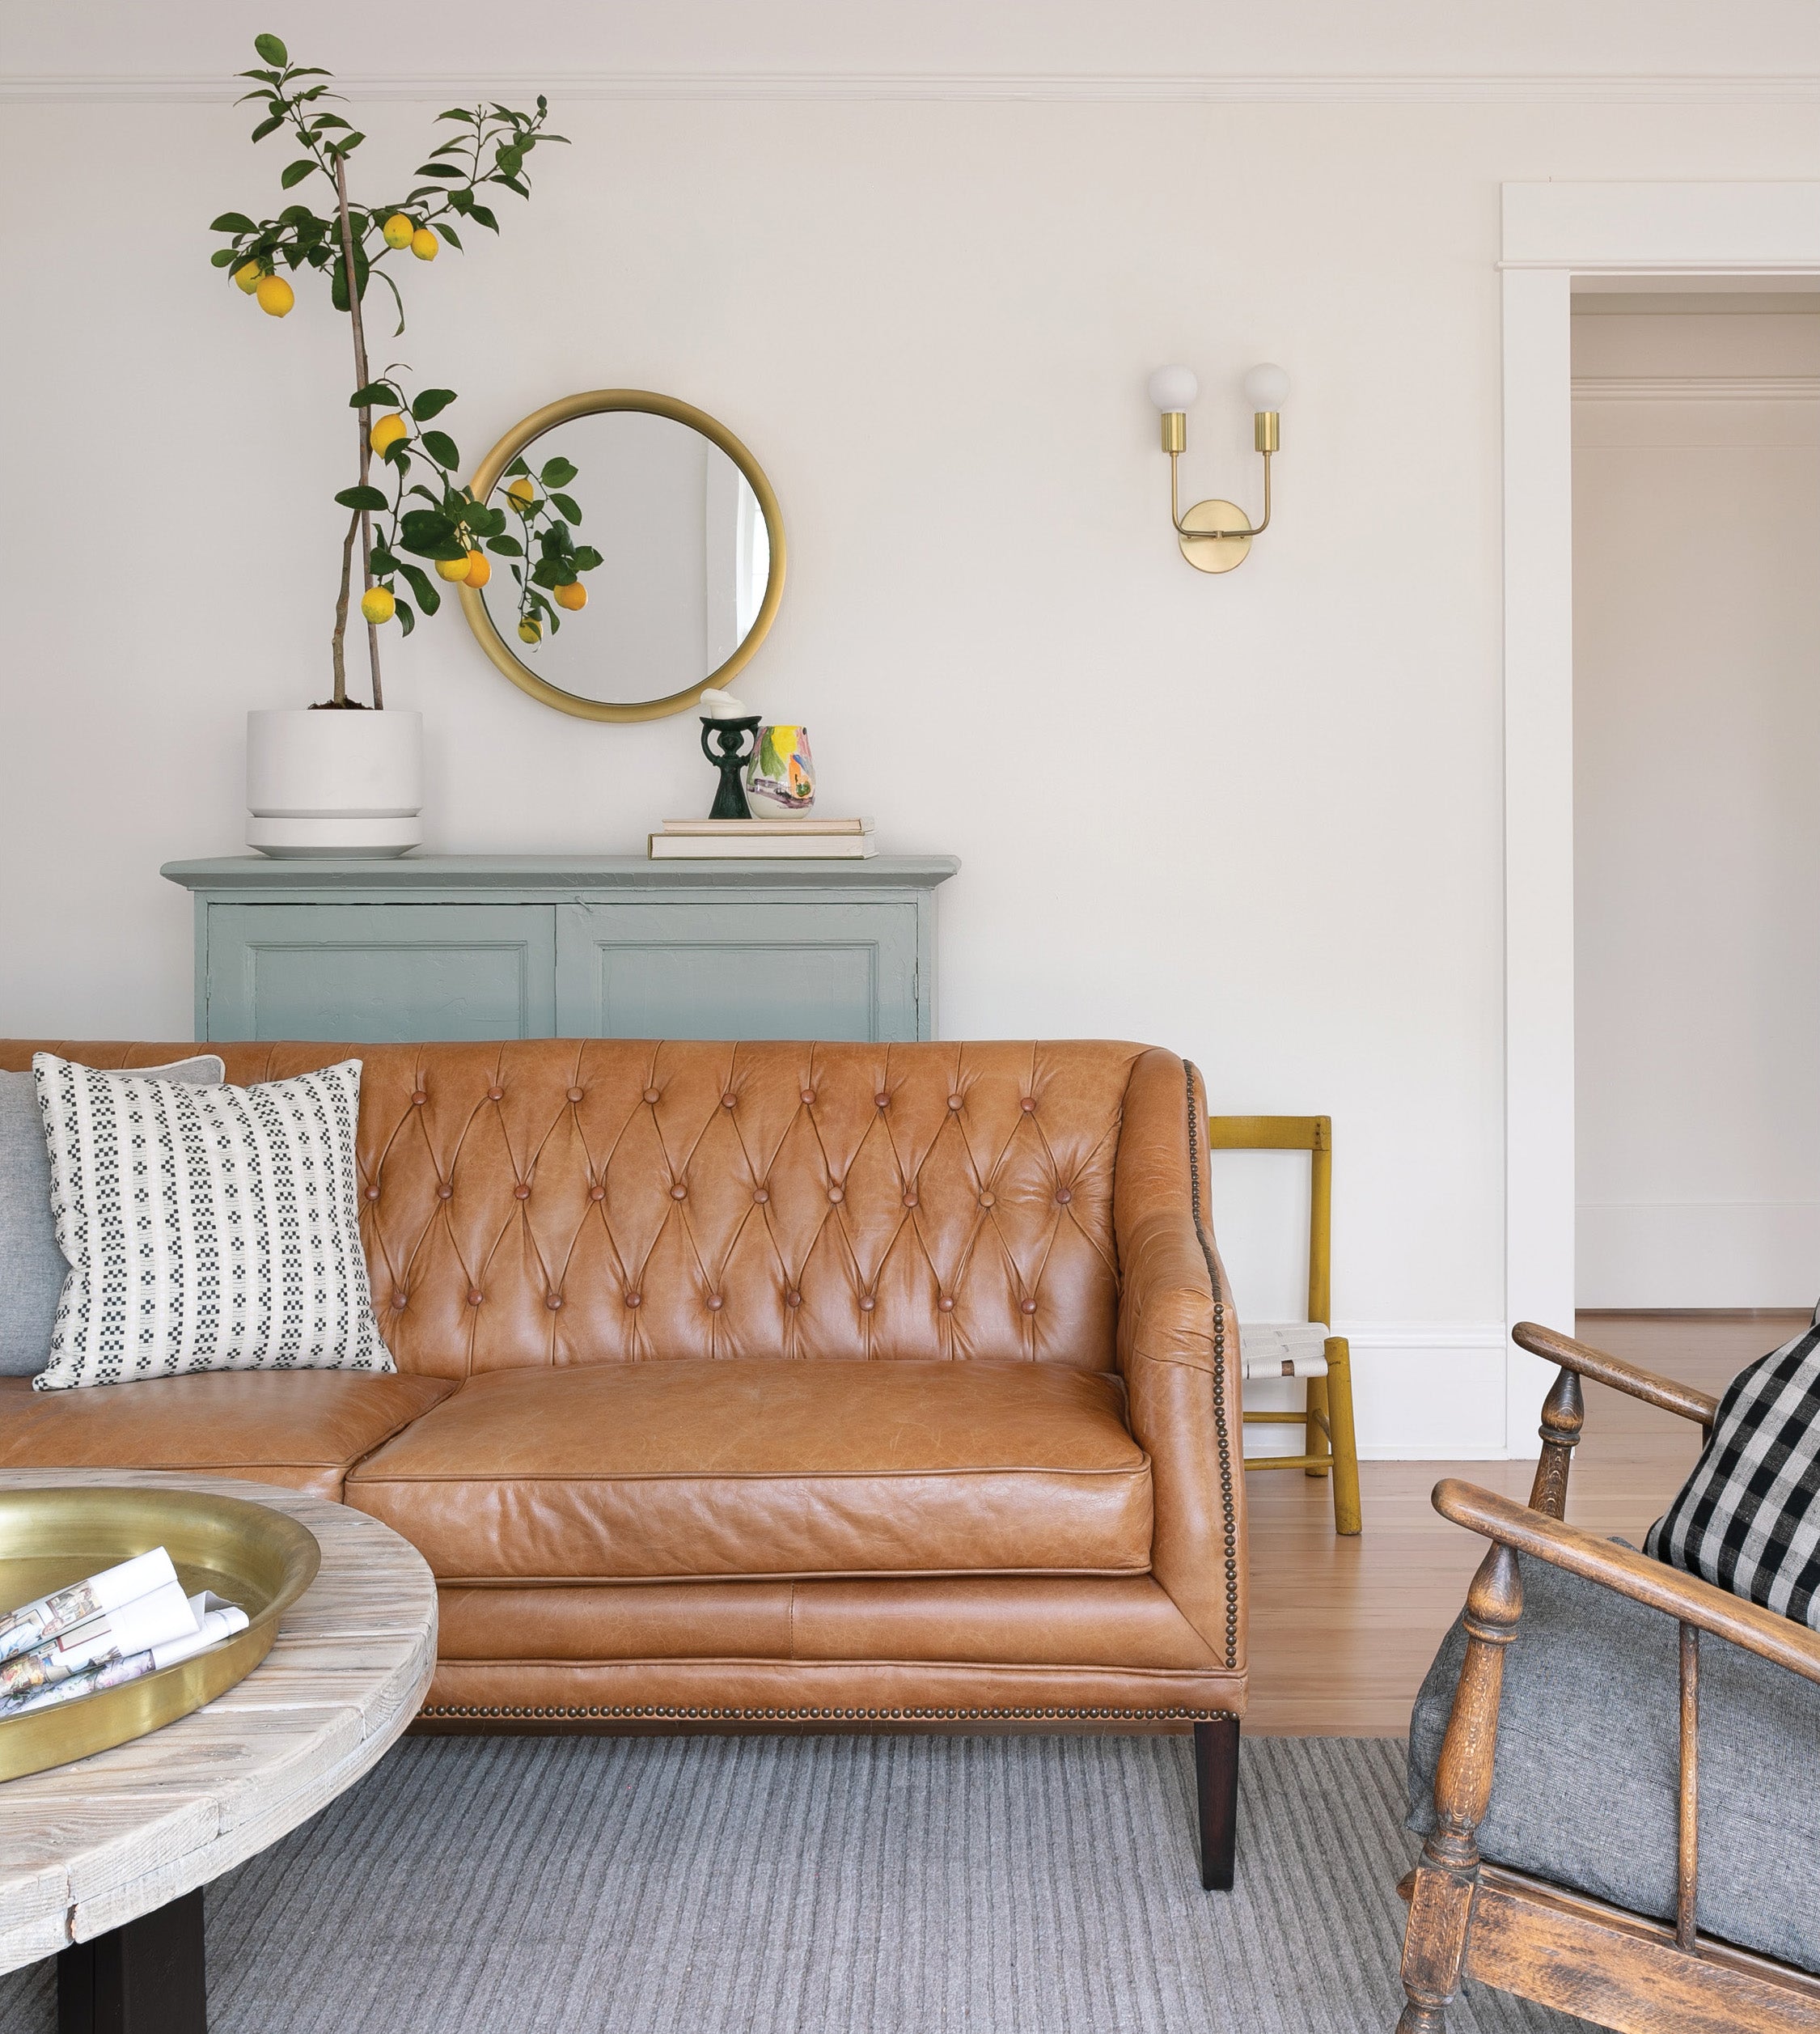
(428, 513)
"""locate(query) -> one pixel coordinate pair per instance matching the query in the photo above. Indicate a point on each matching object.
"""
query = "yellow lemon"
(398, 230)
(530, 629)
(275, 295)
(424, 244)
(454, 568)
(522, 495)
(479, 568)
(247, 275)
(571, 597)
(377, 603)
(387, 431)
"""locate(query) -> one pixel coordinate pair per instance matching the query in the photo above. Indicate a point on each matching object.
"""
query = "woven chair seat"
(1282, 1347)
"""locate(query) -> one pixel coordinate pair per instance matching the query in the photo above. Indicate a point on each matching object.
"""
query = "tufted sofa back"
(557, 1201)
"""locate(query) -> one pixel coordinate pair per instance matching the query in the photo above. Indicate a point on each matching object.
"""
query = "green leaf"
(566, 508)
(448, 234)
(507, 547)
(382, 564)
(338, 285)
(518, 466)
(482, 215)
(457, 112)
(295, 172)
(557, 472)
(585, 557)
(407, 622)
(511, 160)
(222, 257)
(234, 223)
(442, 448)
(428, 532)
(395, 298)
(272, 49)
(458, 146)
(511, 183)
(362, 497)
(267, 126)
(321, 121)
(295, 216)
(441, 169)
(428, 598)
(375, 393)
(431, 402)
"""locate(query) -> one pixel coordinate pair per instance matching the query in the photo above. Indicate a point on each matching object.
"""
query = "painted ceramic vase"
(781, 778)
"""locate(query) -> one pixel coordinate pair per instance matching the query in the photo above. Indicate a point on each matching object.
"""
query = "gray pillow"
(31, 1267)
(1584, 1787)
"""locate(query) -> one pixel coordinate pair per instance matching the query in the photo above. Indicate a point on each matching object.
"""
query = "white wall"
(1696, 831)
(1257, 817)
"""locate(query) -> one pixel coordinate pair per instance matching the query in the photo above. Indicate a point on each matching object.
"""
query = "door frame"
(1551, 234)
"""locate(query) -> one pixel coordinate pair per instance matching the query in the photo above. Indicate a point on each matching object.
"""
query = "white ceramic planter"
(334, 783)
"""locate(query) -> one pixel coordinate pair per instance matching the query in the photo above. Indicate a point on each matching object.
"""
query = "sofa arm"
(1178, 1351)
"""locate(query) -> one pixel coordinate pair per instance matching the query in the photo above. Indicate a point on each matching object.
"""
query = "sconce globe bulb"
(1172, 388)
(1267, 387)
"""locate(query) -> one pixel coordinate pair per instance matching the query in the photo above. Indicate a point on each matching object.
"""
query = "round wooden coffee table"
(102, 1862)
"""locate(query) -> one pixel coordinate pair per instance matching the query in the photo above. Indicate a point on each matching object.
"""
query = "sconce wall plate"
(1228, 545)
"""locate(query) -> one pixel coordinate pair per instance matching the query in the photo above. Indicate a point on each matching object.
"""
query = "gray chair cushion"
(1588, 1760)
(31, 1267)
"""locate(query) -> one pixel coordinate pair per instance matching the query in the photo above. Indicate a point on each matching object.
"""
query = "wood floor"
(1342, 1630)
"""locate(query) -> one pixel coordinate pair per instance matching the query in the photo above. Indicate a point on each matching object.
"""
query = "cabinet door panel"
(830, 969)
(381, 974)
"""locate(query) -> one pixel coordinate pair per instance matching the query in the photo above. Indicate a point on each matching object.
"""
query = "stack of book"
(763, 840)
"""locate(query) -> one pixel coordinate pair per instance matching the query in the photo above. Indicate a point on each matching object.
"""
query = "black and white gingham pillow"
(1748, 1518)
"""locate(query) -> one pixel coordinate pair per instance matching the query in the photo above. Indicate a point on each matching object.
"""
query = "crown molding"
(1697, 389)
(1088, 88)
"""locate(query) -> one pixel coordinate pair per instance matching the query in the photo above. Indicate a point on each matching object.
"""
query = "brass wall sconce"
(1216, 535)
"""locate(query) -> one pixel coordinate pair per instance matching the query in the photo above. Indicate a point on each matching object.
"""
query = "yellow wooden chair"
(1307, 1349)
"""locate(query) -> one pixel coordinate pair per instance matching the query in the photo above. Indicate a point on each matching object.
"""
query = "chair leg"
(1348, 1518)
(1216, 1796)
(1314, 1435)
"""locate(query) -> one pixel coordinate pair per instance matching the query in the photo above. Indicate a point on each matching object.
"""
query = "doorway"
(1696, 728)
(1559, 239)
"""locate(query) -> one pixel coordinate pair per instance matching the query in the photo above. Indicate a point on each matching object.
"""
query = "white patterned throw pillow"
(206, 1228)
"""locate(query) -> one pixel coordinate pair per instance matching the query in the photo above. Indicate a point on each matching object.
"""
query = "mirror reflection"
(684, 557)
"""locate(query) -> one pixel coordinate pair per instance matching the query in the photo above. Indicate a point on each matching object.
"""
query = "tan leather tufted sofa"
(765, 1386)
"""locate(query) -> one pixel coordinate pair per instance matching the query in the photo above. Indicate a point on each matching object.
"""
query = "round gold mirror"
(651, 556)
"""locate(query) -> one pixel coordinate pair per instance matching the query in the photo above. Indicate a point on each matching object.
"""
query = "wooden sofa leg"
(1216, 1793)
(1446, 1877)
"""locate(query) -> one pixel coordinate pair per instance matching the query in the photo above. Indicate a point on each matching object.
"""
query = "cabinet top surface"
(557, 874)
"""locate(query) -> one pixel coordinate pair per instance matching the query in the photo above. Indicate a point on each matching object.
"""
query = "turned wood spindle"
(1564, 1415)
(1446, 1876)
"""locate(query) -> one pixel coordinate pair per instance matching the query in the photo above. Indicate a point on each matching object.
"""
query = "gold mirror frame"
(595, 403)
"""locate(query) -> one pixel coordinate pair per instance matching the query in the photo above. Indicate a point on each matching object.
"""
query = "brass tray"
(255, 1557)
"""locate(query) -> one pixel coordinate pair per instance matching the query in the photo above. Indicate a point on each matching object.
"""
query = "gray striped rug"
(833, 1885)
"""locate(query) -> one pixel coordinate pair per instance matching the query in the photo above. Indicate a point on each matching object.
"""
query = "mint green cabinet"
(461, 947)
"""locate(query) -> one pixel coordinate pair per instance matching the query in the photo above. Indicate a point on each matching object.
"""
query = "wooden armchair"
(1519, 1934)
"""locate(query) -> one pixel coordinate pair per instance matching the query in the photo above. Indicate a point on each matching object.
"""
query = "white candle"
(723, 706)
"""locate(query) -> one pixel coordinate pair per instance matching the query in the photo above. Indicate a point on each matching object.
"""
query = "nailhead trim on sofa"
(650, 1711)
(1221, 1428)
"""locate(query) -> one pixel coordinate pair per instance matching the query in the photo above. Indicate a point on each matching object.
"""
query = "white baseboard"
(1422, 1392)
(1684, 1253)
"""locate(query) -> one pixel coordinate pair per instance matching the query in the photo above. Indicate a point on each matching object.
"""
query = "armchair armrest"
(1177, 1349)
(1765, 1633)
(1583, 1361)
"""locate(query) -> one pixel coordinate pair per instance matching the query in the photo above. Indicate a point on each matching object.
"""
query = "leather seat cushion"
(626, 1471)
(301, 1428)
